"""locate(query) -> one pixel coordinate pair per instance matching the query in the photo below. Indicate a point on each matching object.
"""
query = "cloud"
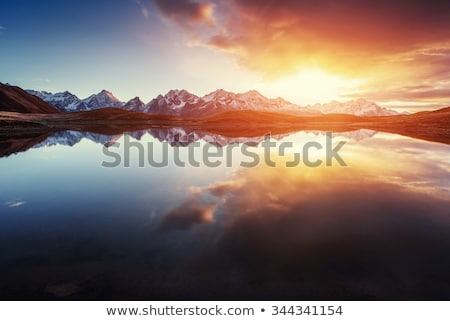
(277, 36)
(187, 215)
(406, 94)
(15, 203)
(421, 75)
(324, 232)
(354, 38)
(253, 190)
(186, 12)
(191, 212)
(343, 240)
(145, 12)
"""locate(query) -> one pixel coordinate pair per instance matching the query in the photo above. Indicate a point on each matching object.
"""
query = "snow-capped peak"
(217, 95)
(135, 100)
(64, 101)
(135, 104)
(172, 102)
(101, 100)
(358, 107)
(253, 94)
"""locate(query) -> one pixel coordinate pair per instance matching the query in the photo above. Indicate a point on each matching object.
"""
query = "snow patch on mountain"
(68, 102)
(64, 101)
(102, 99)
(135, 104)
(175, 102)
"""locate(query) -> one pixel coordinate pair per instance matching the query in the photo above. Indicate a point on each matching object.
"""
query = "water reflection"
(377, 229)
(12, 145)
(176, 137)
(325, 234)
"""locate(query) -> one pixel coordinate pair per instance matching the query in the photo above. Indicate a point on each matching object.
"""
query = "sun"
(309, 86)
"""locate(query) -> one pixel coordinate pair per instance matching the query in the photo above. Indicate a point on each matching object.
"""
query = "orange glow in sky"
(308, 86)
(394, 53)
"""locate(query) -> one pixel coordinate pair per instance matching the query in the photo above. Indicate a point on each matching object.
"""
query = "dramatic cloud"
(253, 190)
(355, 38)
(191, 212)
(186, 11)
(419, 76)
(187, 215)
(324, 232)
(275, 36)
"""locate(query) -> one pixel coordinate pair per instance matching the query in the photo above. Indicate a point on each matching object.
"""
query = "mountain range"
(68, 102)
(182, 103)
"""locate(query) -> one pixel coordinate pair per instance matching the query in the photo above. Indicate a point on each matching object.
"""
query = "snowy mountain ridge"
(358, 107)
(182, 103)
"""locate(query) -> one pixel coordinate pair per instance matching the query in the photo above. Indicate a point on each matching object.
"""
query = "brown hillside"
(15, 99)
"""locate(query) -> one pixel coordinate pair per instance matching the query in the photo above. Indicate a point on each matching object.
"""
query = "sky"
(396, 53)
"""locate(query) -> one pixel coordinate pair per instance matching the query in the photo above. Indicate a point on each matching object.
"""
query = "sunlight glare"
(308, 86)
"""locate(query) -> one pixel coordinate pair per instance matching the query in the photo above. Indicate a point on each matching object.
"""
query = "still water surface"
(378, 228)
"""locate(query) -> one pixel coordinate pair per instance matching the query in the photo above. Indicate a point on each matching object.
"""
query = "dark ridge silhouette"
(15, 99)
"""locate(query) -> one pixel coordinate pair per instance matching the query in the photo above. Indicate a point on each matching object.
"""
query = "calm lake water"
(378, 228)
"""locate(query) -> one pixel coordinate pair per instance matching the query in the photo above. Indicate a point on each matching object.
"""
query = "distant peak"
(253, 92)
(105, 92)
(178, 92)
(136, 100)
(184, 92)
(173, 92)
(219, 92)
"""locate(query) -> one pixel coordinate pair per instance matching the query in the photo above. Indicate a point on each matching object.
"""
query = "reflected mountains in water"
(73, 229)
(377, 229)
(176, 137)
